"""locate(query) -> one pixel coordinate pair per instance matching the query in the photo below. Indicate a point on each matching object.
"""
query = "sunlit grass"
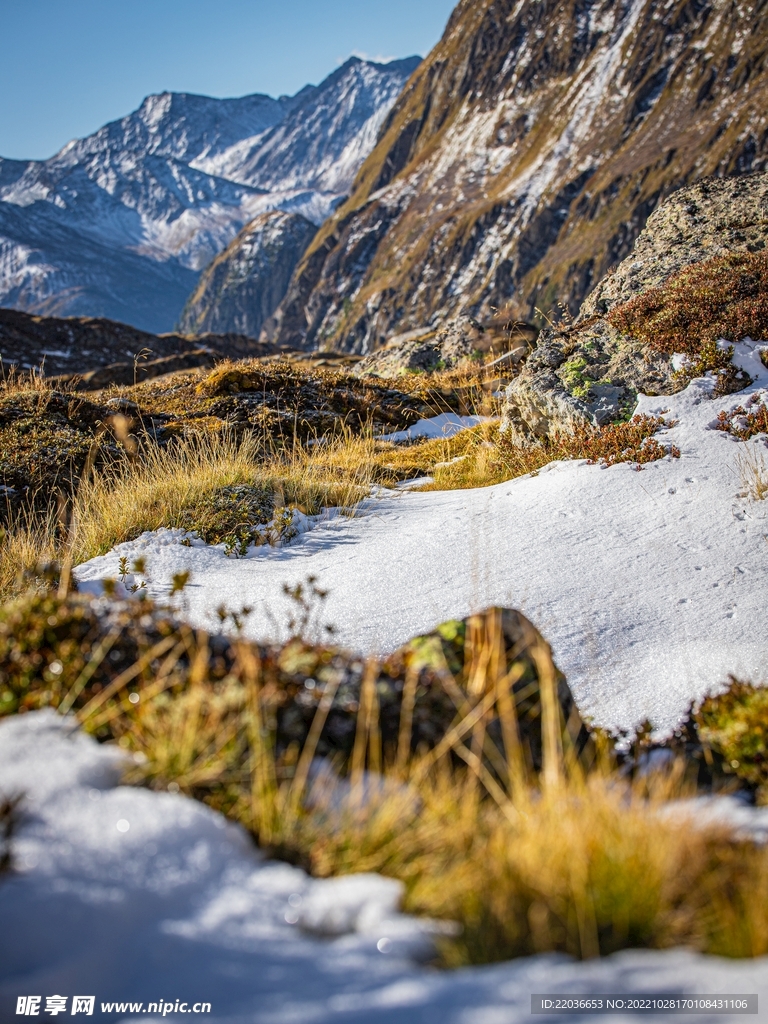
(170, 487)
(578, 859)
(565, 853)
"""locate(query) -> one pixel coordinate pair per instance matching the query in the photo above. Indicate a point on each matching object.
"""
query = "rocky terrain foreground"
(125, 879)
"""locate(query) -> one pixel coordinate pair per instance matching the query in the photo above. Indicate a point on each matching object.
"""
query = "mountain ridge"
(84, 232)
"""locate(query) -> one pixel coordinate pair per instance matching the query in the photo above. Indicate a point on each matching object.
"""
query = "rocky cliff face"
(244, 284)
(524, 157)
(120, 223)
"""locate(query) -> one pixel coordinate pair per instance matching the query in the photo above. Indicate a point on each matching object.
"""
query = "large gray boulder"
(244, 284)
(587, 371)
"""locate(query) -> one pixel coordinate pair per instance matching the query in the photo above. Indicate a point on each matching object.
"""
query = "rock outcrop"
(590, 370)
(459, 658)
(243, 285)
(525, 155)
(462, 341)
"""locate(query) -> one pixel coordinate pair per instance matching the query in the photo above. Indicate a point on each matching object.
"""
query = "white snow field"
(649, 585)
(139, 897)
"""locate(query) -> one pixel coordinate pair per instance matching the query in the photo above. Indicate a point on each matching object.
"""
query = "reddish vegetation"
(726, 297)
(618, 442)
(754, 421)
(626, 442)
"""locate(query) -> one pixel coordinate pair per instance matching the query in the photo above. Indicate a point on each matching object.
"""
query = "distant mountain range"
(121, 223)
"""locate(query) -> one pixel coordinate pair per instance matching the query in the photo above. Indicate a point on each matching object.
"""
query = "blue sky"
(69, 66)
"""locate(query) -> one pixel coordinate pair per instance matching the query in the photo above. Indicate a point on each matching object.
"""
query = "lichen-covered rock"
(713, 217)
(590, 370)
(447, 665)
(243, 285)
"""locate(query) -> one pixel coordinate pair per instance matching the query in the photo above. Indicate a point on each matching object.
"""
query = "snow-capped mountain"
(318, 145)
(120, 223)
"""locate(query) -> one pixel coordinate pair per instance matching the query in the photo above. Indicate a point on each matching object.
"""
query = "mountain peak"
(120, 223)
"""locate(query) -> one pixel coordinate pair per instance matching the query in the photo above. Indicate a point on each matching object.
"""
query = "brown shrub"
(748, 421)
(725, 297)
(609, 445)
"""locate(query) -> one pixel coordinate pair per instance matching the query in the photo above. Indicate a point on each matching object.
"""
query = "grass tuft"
(753, 472)
(483, 455)
(500, 820)
(210, 483)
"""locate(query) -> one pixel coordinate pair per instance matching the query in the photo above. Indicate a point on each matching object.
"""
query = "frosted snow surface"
(649, 585)
(130, 895)
(446, 424)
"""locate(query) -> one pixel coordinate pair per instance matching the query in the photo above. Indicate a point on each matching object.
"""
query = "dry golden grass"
(578, 860)
(165, 486)
(154, 487)
(753, 474)
(576, 857)
(29, 543)
(13, 382)
(586, 867)
(482, 456)
(153, 490)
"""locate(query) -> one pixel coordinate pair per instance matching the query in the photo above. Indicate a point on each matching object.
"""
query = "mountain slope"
(84, 345)
(243, 285)
(525, 155)
(119, 224)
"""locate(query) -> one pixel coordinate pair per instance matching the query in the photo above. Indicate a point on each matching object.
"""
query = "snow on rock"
(130, 895)
(649, 585)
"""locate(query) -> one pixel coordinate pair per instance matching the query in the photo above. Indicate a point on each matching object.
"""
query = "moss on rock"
(734, 724)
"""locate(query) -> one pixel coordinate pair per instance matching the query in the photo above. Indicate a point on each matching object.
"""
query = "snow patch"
(446, 424)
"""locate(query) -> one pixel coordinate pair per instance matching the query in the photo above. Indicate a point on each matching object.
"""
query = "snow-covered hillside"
(318, 145)
(120, 223)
